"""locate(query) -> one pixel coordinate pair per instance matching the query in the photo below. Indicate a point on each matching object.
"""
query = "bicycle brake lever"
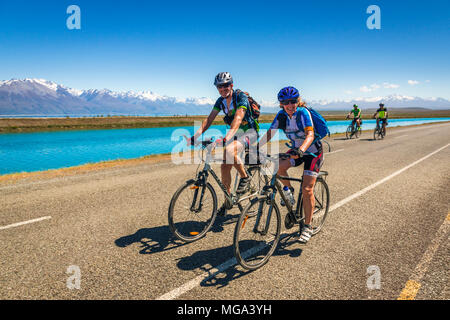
(289, 146)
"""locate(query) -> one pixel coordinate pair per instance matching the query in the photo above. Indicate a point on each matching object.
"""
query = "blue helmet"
(288, 93)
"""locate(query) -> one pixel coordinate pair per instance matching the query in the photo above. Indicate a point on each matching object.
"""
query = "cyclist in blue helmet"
(296, 122)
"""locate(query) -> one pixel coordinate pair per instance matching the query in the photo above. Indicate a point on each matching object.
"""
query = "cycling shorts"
(312, 164)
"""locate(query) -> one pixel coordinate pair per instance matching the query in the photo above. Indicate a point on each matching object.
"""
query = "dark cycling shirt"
(230, 111)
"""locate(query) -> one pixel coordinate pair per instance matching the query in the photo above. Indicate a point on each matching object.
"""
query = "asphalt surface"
(111, 226)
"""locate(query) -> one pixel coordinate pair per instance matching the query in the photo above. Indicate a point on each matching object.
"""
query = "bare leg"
(232, 160)
(226, 175)
(282, 171)
(308, 197)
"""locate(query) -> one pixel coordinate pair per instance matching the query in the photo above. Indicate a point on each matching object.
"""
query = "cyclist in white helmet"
(237, 115)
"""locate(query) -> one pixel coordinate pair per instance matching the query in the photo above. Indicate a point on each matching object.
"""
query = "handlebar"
(204, 144)
(304, 153)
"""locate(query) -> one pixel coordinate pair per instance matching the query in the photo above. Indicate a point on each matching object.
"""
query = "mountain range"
(43, 97)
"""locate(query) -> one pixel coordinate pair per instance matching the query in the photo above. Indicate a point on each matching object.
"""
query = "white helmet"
(223, 78)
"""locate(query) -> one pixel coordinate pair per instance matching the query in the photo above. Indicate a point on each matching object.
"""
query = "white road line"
(376, 184)
(25, 222)
(335, 151)
(406, 129)
(198, 280)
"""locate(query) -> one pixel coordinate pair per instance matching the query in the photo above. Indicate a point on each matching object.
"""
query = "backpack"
(254, 110)
(320, 124)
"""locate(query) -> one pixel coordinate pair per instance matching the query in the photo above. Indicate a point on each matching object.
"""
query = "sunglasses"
(221, 86)
(286, 102)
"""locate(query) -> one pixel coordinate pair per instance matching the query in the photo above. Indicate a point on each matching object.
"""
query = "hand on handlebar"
(295, 154)
(189, 141)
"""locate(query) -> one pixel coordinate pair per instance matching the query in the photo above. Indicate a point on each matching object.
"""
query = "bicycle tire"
(192, 230)
(348, 133)
(375, 134)
(253, 253)
(257, 182)
(358, 132)
(321, 207)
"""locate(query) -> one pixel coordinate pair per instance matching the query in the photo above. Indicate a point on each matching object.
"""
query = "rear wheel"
(192, 211)
(257, 233)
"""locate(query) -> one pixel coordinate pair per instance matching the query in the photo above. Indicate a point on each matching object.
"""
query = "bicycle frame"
(202, 177)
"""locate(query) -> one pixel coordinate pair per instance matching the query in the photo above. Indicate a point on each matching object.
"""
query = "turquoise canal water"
(26, 152)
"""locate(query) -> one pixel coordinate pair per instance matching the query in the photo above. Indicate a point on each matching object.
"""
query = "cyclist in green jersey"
(243, 130)
(382, 116)
(356, 115)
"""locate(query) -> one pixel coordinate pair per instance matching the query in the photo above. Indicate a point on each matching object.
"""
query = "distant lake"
(25, 152)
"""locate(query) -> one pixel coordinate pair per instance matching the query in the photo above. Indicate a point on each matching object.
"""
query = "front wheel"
(349, 132)
(257, 233)
(257, 182)
(192, 211)
(321, 206)
(376, 134)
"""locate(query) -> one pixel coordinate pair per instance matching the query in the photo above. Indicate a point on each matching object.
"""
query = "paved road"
(112, 226)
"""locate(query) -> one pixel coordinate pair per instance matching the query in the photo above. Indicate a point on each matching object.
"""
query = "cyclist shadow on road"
(221, 273)
(158, 239)
(151, 240)
(341, 138)
(221, 222)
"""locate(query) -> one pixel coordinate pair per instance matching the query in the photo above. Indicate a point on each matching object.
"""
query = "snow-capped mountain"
(42, 97)
(391, 101)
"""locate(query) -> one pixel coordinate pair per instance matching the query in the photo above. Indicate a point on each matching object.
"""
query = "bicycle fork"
(200, 184)
(270, 201)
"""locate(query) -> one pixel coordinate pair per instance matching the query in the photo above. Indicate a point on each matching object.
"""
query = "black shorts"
(312, 164)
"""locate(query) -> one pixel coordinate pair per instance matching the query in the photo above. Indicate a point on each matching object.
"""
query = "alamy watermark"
(374, 279)
(74, 281)
(232, 152)
(374, 20)
(73, 22)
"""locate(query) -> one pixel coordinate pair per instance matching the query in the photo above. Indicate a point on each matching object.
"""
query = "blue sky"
(175, 48)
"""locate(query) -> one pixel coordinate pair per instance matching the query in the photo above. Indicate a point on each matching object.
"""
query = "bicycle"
(353, 130)
(380, 132)
(193, 207)
(258, 229)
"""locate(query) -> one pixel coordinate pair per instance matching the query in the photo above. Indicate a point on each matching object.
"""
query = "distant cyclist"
(356, 115)
(382, 116)
(243, 130)
(296, 122)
